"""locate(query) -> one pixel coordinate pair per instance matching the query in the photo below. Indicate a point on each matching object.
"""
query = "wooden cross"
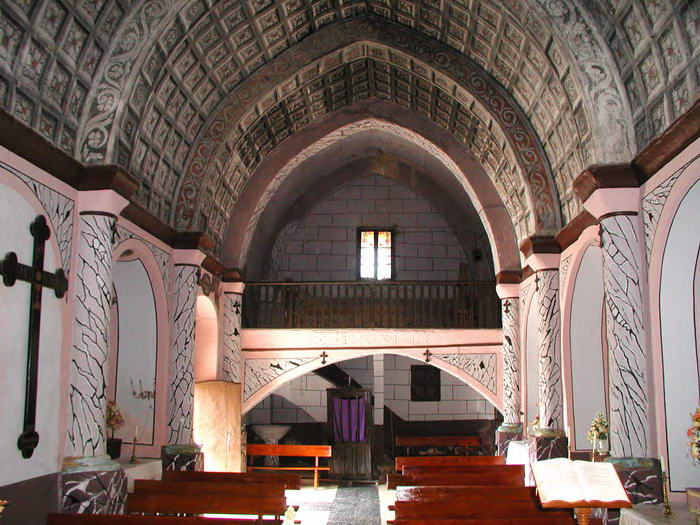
(427, 355)
(35, 275)
(323, 357)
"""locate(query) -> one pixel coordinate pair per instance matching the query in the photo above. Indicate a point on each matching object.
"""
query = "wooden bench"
(434, 461)
(307, 451)
(496, 475)
(289, 481)
(205, 497)
(469, 442)
(125, 519)
(473, 503)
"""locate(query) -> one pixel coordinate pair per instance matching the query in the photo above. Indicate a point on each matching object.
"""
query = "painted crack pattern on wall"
(181, 391)
(162, 257)
(511, 360)
(653, 204)
(624, 313)
(86, 431)
(549, 349)
(59, 208)
(231, 358)
(482, 367)
(261, 372)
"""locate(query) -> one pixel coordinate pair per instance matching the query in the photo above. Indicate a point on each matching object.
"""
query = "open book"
(565, 483)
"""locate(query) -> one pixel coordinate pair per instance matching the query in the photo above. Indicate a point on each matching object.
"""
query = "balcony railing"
(385, 304)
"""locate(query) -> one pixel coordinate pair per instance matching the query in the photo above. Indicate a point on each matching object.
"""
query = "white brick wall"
(303, 399)
(323, 246)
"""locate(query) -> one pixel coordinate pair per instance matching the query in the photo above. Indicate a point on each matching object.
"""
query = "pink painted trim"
(335, 356)
(237, 287)
(15, 184)
(543, 261)
(657, 412)
(160, 419)
(612, 200)
(188, 257)
(524, 314)
(108, 201)
(589, 237)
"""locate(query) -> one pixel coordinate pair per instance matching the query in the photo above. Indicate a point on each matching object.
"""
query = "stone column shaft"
(231, 330)
(549, 347)
(181, 391)
(621, 241)
(511, 362)
(93, 298)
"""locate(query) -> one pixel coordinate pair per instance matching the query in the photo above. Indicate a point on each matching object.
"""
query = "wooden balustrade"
(383, 304)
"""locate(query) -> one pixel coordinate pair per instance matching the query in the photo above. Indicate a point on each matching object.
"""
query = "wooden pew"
(457, 469)
(498, 475)
(125, 519)
(438, 441)
(205, 497)
(309, 451)
(434, 461)
(473, 503)
(289, 481)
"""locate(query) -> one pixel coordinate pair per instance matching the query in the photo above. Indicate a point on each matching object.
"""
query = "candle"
(663, 468)
(136, 433)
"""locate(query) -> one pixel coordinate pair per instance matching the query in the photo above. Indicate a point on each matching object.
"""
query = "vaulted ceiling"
(192, 95)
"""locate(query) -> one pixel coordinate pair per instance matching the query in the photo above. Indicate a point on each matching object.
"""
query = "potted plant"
(693, 493)
(598, 435)
(115, 421)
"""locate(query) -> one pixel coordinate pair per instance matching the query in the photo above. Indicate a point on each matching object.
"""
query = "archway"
(206, 341)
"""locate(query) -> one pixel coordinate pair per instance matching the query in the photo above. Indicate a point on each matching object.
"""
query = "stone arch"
(206, 337)
(385, 116)
(130, 249)
(493, 122)
(279, 367)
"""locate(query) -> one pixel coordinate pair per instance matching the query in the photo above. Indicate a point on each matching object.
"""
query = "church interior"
(374, 255)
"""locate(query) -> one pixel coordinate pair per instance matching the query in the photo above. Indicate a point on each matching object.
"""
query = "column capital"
(508, 284)
(101, 202)
(191, 248)
(609, 189)
(232, 287)
(541, 252)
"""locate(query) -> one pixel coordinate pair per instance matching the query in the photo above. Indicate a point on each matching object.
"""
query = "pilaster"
(231, 365)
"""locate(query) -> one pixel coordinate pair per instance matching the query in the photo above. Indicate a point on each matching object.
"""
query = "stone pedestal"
(641, 478)
(93, 485)
(548, 447)
(182, 457)
(504, 435)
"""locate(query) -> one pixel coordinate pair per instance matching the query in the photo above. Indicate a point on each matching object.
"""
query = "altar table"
(652, 515)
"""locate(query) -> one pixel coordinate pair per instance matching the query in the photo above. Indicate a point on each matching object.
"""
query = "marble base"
(97, 492)
(503, 439)
(182, 457)
(641, 478)
(546, 447)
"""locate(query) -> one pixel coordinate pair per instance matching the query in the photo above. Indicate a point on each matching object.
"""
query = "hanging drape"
(348, 419)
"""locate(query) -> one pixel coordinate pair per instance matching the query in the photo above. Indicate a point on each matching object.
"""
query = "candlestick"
(133, 448)
(668, 512)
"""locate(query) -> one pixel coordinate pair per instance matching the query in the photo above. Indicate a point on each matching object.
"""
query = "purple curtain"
(348, 419)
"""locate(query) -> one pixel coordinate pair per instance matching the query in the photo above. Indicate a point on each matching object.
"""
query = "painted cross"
(323, 357)
(427, 355)
(35, 275)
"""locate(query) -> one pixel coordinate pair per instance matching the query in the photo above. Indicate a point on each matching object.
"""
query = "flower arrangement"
(694, 435)
(599, 429)
(115, 420)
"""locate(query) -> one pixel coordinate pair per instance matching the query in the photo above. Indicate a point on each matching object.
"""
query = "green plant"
(115, 420)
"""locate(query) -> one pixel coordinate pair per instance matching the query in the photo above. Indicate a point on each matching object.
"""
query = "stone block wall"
(323, 245)
(304, 400)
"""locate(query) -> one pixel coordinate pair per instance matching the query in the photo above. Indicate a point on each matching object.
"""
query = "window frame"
(358, 243)
(436, 385)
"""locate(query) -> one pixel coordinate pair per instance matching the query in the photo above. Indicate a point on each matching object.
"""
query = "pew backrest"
(125, 519)
(464, 469)
(289, 481)
(411, 461)
(466, 478)
(438, 441)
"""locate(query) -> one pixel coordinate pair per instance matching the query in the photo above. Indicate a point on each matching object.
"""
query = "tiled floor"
(333, 505)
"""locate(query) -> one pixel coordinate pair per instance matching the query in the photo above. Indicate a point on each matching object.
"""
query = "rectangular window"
(375, 249)
(425, 383)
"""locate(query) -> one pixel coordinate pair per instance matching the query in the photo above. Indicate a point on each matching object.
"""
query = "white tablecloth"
(652, 515)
